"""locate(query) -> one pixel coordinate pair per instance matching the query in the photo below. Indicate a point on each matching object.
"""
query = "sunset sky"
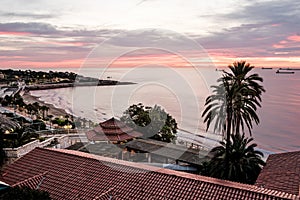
(61, 33)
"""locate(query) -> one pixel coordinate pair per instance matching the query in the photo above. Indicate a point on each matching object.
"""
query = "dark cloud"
(290, 51)
(50, 31)
(280, 11)
(47, 42)
(245, 35)
(153, 38)
(33, 28)
(93, 33)
(263, 25)
(46, 54)
(27, 15)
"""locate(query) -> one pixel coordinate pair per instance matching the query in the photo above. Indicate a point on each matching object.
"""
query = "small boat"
(289, 69)
(284, 72)
(293, 69)
(266, 68)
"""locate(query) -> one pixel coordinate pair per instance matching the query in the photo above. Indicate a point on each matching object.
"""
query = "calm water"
(182, 93)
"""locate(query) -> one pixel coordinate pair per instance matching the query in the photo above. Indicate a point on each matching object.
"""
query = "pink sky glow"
(43, 34)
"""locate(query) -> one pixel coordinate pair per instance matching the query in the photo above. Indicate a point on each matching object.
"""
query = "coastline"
(75, 84)
(28, 98)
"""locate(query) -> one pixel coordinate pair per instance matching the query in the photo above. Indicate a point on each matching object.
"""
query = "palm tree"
(8, 99)
(36, 109)
(49, 117)
(29, 108)
(47, 109)
(44, 109)
(234, 103)
(248, 96)
(23, 137)
(245, 163)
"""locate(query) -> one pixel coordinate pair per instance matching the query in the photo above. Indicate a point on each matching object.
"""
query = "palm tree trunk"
(228, 133)
(238, 121)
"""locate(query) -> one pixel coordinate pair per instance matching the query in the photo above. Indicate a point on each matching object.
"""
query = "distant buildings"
(2, 75)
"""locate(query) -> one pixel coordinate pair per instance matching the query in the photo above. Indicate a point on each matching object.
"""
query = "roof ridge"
(288, 152)
(31, 178)
(224, 183)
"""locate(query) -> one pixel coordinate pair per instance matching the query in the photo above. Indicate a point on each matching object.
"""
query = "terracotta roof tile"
(78, 175)
(282, 173)
(112, 130)
(32, 182)
(112, 123)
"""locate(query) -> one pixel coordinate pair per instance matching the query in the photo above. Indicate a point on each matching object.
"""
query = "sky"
(126, 33)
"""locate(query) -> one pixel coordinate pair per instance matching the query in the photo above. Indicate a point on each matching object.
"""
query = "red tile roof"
(71, 174)
(282, 173)
(33, 182)
(112, 130)
(112, 123)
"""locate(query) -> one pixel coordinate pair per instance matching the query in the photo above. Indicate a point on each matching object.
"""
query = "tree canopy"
(19, 137)
(245, 163)
(152, 122)
(232, 106)
(24, 193)
(234, 102)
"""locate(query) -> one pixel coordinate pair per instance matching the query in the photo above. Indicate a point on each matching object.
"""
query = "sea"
(182, 93)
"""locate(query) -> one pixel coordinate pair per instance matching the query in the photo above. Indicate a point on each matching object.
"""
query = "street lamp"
(68, 127)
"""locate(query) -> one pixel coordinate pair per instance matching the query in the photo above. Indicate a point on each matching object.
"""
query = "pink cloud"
(295, 38)
(219, 57)
(283, 42)
(276, 61)
(278, 46)
(13, 33)
(289, 42)
(170, 60)
(275, 25)
(68, 43)
(64, 63)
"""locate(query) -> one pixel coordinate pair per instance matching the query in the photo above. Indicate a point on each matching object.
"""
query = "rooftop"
(282, 173)
(68, 174)
(169, 150)
(112, 130)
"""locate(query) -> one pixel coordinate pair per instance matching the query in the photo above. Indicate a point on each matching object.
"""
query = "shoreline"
(77, 84)
(28, 98)
(55, 111)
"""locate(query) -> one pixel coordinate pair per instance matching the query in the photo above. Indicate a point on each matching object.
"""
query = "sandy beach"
(28, 98)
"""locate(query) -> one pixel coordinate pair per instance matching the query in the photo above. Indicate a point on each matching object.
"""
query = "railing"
(22, 150)
(60, 131)
(61, 141)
